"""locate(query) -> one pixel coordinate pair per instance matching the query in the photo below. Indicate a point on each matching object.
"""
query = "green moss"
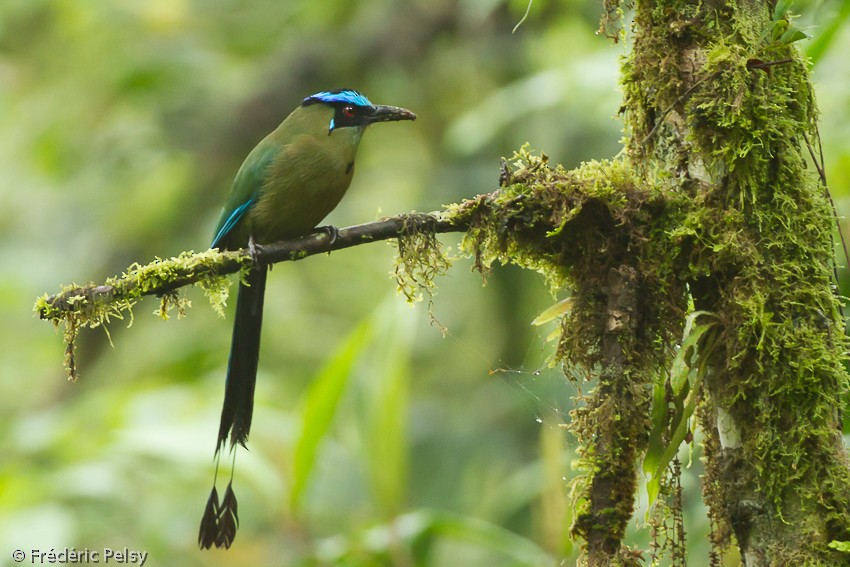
(571, 226)
(92, 306)
(420, 260)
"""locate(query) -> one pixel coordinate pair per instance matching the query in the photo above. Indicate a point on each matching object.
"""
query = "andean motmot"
(287, 185)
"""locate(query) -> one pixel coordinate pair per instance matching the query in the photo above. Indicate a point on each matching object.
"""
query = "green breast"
(305, 178)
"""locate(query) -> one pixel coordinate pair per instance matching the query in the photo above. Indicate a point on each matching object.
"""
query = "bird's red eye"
(348, 111)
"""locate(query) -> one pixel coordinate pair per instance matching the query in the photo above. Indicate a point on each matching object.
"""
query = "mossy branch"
(164, 277)
(94, 305)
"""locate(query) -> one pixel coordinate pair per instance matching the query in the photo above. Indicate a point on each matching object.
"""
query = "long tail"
(242, 367)
(220, 519)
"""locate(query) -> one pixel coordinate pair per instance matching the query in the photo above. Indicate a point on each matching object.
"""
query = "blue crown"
(344, 96)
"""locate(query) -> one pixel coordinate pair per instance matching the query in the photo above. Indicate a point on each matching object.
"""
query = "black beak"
(380, 113)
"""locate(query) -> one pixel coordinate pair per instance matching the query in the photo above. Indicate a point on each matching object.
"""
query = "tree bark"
(613, 486)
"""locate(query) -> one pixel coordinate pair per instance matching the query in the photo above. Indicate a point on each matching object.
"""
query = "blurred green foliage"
(122, 125)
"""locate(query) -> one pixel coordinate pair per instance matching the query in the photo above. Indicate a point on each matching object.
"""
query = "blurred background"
(122, 125)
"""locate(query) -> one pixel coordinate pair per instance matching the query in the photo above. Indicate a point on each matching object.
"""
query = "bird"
(286, 186)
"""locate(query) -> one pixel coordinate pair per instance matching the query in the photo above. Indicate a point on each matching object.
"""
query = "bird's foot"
(331, 231)
(255, 250)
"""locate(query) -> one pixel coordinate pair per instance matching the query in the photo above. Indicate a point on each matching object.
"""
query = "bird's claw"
(331, 231)
(255, 250)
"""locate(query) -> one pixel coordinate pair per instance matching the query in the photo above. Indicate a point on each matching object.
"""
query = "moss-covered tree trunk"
(720, 107)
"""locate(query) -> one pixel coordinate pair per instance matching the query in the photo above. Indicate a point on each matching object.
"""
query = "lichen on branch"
(420, 259)
(95, 305)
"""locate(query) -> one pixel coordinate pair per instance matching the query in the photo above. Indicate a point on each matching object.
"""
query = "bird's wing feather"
(230, 222)
(246, 190)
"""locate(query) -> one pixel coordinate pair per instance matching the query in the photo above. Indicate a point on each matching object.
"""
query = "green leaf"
(778, 28)
(782, 30)
(682, 371)
(656, 438)
(781, 8)
(319, 407)
(826, 34)
(680, 426)
(386, 404)
(792, 34)
(553, 312)
(684, 386)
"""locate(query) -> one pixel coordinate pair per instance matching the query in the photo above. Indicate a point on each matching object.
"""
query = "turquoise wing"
(229, 222)
(244, 194)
